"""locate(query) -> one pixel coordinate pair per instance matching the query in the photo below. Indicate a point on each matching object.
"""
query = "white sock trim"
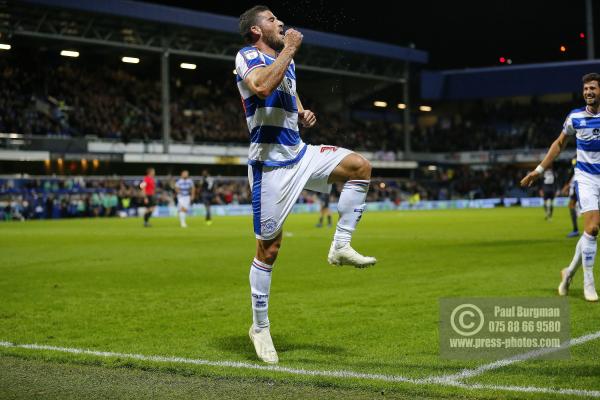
(261, 265)
(589, 237)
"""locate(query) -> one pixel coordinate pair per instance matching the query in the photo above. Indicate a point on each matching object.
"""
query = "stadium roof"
(131, 24)
(506, 81)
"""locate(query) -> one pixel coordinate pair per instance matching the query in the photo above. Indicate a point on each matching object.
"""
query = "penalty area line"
(430, 381)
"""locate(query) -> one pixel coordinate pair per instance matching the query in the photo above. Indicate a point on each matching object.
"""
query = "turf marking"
(228, 364)
(470, 373)
(433, 381)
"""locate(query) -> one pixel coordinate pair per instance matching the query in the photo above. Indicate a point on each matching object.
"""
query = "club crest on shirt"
(250, 54)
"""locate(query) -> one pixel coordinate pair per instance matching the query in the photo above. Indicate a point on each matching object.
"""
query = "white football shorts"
(275, 190)
(183, 202)
(587, 187)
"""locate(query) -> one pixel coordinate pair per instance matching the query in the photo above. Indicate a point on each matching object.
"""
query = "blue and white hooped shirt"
(185, 187)
(585, 126)
(272, 122)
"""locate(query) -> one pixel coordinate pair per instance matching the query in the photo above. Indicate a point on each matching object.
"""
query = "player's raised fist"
(292, 38)
(529, 179)
(307, 118)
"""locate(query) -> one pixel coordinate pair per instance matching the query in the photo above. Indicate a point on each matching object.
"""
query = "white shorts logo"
(268, 226)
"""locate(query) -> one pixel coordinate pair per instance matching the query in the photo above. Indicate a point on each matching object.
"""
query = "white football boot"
(263, 344)
(346, 255)
(565, 282)
(589, 290)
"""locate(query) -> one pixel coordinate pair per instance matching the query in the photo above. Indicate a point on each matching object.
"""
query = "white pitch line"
(470, 373)
(298, 371)
(230, 364)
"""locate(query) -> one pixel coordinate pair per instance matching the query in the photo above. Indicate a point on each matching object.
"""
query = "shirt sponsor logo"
(328, 148)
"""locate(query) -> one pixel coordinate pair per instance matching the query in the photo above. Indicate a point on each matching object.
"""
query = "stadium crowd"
(77, 99)
(495, 126)
(95, 197)
(35, 198)
(71, 99)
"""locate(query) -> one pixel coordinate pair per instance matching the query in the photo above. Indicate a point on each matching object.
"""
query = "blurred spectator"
(95, 197)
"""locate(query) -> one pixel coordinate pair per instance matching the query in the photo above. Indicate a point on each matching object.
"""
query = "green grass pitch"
(111, 285)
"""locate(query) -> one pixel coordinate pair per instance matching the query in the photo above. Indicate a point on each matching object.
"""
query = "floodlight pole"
(589, 23)
(406, 111)
(165, 98)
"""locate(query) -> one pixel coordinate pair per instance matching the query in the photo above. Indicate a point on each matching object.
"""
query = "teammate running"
(548, 192)
(584, 124)
(569, 189)
(281, 165)
(325, 211)
(185, 194)
(206, 186)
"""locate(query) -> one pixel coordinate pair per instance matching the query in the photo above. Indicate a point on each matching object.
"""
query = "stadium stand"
(87, 100)
(494, 125)
(58, 114)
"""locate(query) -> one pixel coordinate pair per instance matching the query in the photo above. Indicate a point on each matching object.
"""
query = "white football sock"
(260, 286)
(351, 206)
(182, 217)
(588, 256)
(575, 262)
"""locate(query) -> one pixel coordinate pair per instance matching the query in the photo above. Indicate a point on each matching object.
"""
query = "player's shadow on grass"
(284, 343)
(241, 345)
(237, 344)
(575, 294)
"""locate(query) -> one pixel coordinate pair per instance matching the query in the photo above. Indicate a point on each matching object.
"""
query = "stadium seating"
(88, 100)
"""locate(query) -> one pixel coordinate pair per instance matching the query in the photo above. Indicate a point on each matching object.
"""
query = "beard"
(274, 41)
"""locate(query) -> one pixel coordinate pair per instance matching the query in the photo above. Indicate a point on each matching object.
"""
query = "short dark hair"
(249, 19)
(591, 77)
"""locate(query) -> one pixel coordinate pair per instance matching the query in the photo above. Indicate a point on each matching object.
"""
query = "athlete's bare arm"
(557, 146)
(263, 81)
(143, 185)
(143, 192)
(306, 117)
